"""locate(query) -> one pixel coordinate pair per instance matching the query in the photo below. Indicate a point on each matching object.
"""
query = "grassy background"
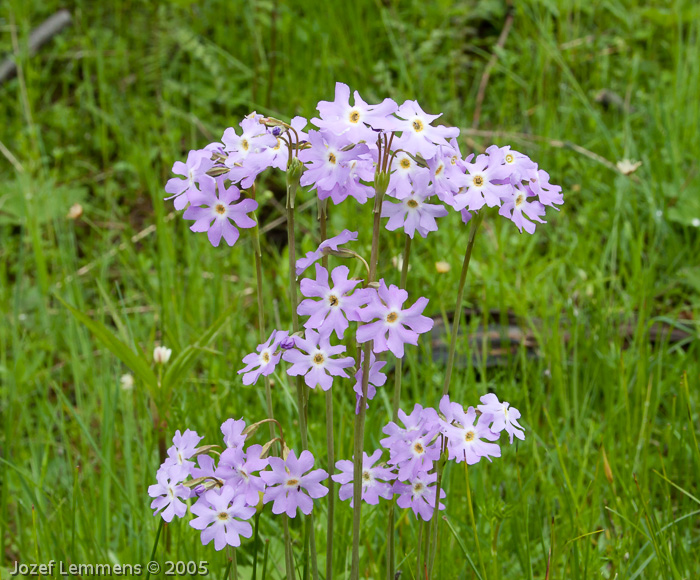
(605, 484)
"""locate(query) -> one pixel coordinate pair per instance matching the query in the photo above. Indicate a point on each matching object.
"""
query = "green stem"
(288, 558)
(398, 375)
(419, 545)
(476, 221)
(256, 545)
(322, 216)
(155, 545)
(359, 434)
(435, 521)
(234, 565)
(301, 395)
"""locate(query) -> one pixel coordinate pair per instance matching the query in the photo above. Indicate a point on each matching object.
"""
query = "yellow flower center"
(365, 475)
(292, 482)
(418, 447)
(333, 300)
(412, 203)
(220, 209)
(438, 171)
(354, 117)
(519, 200)
(279, 144)
(453, 160)
(392, 316)
(478, 181)
(223, 516)
(405, 163)
(509, 158)
(469, 436)
(266, 357)
(417, 125)
(318, 358)
(245, 144)
(418, 487)
(331, 158)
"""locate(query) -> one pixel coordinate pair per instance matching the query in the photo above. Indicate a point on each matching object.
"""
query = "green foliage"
(605, 485)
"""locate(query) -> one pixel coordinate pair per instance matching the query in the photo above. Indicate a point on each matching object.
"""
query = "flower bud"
(127, 382)
(161, 355)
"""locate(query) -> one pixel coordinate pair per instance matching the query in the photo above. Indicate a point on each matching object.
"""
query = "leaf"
(131, 359)
(182, 364)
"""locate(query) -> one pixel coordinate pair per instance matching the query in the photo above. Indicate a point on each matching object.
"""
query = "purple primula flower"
(236, 468)
(413, 450)
(447, 174)
(359, 169)
(220, 512)
(487, 182)
(330, 165)
(412, 212)
(214, 214)
(206, 468)
(233, 433)
(547, 193)
(194, 172)
(312, 358)
(404, 171)
(376, 379)
(278, 155)
(264, 361)
(419, 495)
(464, 438)
(337, 305)
(183, 448)
(168, 494)
(374, 479)
(330, 244)
(395, 326)
(502, 416)
(287, 480)
(353, 122)
(418, 135)
(518, 163)
(516, 207)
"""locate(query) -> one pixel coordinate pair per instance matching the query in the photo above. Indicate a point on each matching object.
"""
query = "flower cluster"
(340, 158)
(416, 446)
(228, 492)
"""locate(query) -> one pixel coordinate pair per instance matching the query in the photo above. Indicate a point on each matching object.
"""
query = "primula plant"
(346, 330)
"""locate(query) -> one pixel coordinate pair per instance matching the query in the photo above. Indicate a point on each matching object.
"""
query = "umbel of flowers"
(415, 174)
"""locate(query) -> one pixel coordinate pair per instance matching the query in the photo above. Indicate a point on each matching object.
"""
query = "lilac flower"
(414, 449)
(312, 358)
(376, 378)
(236, 467)
(374, 479)
(419, 495)
(233, 433)
(353, 122)
(194, 171)
(330, 244)
(465, 440)
(183, 448)
(485, 182)
(516, 207)
(404, 171)
(215, 215)
(330, 165)
(412, 212)
(418, 135)
(395, 326)
(168, 494)
(278, 155)
(264, 361)
(360, 169)
(219, 517)
(206, 468)
(287, 480)
(501, 416)
(447, 174)
(547, 193)
(244, 151)
(337, 305)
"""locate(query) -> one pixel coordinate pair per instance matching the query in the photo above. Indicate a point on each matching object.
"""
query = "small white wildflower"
(695, 222)
(127, 382)
(442, 267)
(75, 211)
(627, 166)
(161, 355)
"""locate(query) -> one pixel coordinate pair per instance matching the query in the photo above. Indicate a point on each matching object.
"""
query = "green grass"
(605, 485)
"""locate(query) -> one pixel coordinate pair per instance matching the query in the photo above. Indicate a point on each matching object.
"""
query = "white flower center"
(412, 203)
(223, 516)
(318, 358)
(220, 208)
(392, 317)
(478, 181)
(265, 356)
(417, 125)
(354, 116)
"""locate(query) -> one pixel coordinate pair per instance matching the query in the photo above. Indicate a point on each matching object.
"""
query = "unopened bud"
(75, 211)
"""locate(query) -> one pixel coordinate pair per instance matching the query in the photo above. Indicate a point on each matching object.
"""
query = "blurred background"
(589, 326)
